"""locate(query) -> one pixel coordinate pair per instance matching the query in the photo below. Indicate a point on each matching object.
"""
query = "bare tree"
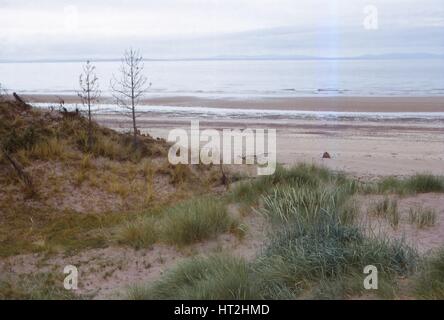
(131, 86)
(89, 94)
(3, 93)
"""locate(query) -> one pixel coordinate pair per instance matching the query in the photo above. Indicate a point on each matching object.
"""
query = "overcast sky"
(59, 29)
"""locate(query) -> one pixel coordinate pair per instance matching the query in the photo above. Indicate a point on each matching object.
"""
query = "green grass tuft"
(301, 175)
(314, 247)
(196, 220)
(423, 183)
(41, 286)
(419, 183)
(192, 221)
(208, 278)
(422, 217)
(430, 282)
(387, 209)
(141, 233)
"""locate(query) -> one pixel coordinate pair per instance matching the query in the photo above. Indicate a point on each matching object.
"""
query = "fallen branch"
(224, 178)
(20, 102)
(21, 173)
(18, 99)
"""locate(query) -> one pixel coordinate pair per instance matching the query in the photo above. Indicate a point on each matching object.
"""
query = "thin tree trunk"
(224, 179)
(89, 120)
(133, 107)
(134, 124)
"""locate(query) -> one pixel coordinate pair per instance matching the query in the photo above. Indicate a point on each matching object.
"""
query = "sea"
(244, 79)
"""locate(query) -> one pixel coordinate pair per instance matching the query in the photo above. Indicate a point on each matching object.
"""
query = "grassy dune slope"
(317, 247)
(78, 195)
(116, 205)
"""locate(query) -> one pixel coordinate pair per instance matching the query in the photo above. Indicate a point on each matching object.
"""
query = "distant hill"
(389, 56)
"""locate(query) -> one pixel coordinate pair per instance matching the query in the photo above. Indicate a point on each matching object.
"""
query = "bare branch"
(3, 93)
(89, 93)
(130, 87)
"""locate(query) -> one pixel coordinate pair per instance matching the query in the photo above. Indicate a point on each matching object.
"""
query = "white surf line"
(258, 113)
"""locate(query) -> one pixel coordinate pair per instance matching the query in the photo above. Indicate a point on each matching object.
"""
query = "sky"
(172, 29)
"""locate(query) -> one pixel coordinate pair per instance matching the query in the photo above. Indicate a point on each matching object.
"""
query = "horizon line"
(389, 56)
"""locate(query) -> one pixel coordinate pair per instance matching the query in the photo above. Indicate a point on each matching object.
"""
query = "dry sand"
(424, 240)
(364, 148)
(107, 273)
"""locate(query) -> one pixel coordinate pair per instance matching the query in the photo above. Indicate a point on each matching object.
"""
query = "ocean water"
(245, 79)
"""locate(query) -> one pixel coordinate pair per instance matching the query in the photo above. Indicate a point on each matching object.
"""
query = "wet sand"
(340, 104)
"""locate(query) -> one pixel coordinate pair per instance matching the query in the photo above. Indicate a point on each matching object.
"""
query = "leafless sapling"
(89, 94)
(130, 87)
(3, 93)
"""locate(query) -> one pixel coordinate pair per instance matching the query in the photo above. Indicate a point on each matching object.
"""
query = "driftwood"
(18, 99)
(69, 114)
(21, 103)
(224, 179)
(21, 173)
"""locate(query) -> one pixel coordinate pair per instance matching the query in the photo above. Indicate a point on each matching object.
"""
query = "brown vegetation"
(48, 175)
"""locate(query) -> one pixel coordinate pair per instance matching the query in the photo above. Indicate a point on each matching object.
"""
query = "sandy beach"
(364, 147)
(322, 103)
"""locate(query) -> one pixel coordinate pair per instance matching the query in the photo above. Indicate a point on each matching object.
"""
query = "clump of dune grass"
(419, 183)
(422, 217)
(314, 248)
(350, 285)
(86, 162)
(387, 185)
(429, 283)
(191, 221)
(387, 209)
(310, 250)
(302, 175)
(49, 149)
(349, 212)
(313, 245)
(40, 286)
(196, 220)
(178, 173)
(141, 233)
(287, 203)
(423, 183)
(213, 277)
(248, 192)
(118, 187)
(301, 258)
(106, 146)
